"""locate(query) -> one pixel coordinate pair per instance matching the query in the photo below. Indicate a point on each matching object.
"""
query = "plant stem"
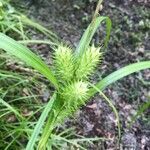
(46, 133)
(97, 9)
(50, 124)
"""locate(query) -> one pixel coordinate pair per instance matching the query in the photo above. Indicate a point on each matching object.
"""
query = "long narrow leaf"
(40, 123)
(89, 33)
(53, 37)
(23, 53)
(9, 76)
(10, 108)
(119, 74)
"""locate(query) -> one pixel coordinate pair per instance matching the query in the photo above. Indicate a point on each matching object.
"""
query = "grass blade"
(90, 31)
(23, 53)
(40, 123)
(9, 76)
(53, 37)
(10, 108)
(48, 42)
(113, 77)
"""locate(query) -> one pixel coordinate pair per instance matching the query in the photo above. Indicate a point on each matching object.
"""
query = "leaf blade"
(40, 123)
(127, 70)
(90, 31)
(24, 54)
(7, 105)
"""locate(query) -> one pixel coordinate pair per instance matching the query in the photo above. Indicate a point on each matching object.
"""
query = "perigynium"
(74, 94)
(87, 64)
(64, 63)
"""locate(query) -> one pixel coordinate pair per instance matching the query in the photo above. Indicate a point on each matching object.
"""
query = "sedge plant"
(16, 125)
(70, 76)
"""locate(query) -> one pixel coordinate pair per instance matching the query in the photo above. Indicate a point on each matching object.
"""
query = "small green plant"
(12, 21)
(70, 77)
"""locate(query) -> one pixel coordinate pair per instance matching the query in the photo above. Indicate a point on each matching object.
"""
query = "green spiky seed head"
(75, 93)
(64, 64)
(88, 62)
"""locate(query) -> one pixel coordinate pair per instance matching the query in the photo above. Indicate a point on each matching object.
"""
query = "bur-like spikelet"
(64, 63)
(88, 62)
(75, 94)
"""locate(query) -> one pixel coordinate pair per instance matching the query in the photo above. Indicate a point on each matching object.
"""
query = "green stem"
(46, 134)
(50, 124)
